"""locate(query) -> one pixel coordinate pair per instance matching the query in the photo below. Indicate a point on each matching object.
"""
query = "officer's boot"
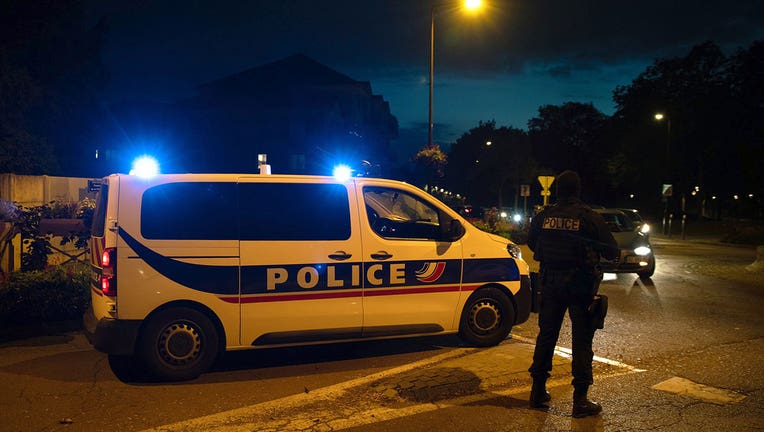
(539, 395)
(582, 406)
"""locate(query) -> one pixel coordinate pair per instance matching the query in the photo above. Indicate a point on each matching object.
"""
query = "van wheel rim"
(179, 344)
(485, 316)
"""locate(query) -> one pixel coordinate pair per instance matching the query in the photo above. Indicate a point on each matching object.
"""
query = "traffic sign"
(525, 190)
(546, 181)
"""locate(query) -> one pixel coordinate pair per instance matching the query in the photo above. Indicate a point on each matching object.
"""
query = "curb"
(758, 265)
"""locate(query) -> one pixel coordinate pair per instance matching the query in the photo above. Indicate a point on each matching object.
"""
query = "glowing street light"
(470, 5)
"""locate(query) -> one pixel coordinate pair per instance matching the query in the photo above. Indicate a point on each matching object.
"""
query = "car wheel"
(178, 344)
(487, 318)
(649, 271)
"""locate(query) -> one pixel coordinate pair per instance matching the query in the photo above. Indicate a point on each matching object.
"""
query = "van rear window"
(246, 211)
(189, 211)
(99, 214)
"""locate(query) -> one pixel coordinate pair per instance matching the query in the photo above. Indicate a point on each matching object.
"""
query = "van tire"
(487, 318)
(178, 344)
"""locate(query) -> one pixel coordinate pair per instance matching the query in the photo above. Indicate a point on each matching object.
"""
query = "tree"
(430, 161)
(710, 101)
(569, 136)
(488, 163)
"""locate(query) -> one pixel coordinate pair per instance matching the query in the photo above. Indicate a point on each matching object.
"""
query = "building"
(305, 116)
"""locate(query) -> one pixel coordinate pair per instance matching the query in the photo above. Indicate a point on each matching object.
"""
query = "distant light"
(342, 172)
(145, 166)
(735, 196)
(488, 143)
(631, 196)
(750, 195)
(503, 215)
(517, 217)
(659, 116)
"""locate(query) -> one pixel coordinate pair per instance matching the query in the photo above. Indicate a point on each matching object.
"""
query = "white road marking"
(685, 387)
(567, 353)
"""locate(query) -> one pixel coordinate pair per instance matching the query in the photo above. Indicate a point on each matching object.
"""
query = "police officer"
(567, 239)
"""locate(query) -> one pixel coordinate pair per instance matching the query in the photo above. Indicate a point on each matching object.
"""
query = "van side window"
(245, 211)
(294, 211)
(189, 211)
(393, 213)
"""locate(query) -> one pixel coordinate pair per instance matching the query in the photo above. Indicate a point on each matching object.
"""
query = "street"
(679, 352)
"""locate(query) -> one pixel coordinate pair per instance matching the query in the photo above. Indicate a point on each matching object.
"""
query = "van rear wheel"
(487, 318)
(178, 344)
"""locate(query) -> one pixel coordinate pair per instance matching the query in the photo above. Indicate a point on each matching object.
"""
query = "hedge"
(43, 296)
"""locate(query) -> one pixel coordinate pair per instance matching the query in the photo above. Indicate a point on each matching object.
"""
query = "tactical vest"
(565, 237)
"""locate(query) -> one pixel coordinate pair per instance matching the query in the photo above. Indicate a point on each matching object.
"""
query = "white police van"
(186, 266)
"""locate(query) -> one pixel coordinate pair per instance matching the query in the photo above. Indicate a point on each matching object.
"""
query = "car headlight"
(514, 251)
(642, 250)
(645, 229)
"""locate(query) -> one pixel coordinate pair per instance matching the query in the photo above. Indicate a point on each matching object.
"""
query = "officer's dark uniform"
(567, 239)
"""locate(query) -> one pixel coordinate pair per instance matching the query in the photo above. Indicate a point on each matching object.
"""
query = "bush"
(35, 297)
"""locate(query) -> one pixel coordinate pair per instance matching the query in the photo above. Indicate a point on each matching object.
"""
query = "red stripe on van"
(344, 294)
(291, 297)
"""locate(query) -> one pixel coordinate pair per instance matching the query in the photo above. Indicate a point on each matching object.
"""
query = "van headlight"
(642, 250)
(514, 251)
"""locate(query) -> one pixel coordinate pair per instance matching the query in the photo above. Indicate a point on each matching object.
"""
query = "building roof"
(297, 69)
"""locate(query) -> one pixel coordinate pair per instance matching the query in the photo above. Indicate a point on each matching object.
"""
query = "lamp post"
(469, 5)
(660, 117)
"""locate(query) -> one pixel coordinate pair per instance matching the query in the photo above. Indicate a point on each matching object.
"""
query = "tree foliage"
(711, 131)
(487, 164)
(50, 73)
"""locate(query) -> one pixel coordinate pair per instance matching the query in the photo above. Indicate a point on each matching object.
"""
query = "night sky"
(500, 64)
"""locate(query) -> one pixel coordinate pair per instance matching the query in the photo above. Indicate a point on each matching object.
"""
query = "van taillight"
(109, 272)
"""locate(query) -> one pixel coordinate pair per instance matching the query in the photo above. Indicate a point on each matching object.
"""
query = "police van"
(186, 266)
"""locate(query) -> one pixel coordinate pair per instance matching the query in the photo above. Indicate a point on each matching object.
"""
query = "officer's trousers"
(561, 290)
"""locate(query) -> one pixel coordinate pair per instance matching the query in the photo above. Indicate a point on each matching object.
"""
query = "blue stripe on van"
(316, 277)
(211, 279)
(490, 270)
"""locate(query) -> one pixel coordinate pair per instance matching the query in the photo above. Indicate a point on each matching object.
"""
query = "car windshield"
(618, 222)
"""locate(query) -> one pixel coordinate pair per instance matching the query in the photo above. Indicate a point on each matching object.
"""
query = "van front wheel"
(487, 318)
(178, 344)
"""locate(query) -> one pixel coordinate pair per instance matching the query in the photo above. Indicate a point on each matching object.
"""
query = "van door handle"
(381, 255)
(340, 256)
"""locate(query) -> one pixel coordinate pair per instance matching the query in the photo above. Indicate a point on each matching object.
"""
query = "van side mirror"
(455, 231)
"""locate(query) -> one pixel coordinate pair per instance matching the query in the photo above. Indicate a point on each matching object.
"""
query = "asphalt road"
(681, 351)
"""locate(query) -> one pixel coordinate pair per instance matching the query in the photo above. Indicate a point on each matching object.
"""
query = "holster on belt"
(598, 310)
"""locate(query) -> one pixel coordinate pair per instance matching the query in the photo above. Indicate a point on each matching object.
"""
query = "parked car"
(636, 251)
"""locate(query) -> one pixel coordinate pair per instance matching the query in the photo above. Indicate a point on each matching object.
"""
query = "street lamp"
(470, 5)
